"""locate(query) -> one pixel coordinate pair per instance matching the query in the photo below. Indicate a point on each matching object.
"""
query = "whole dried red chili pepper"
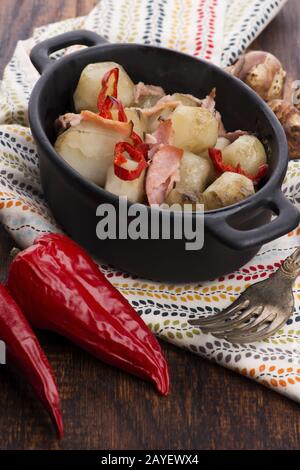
(120, 160)
(25, 352)
(221, 167)
(60, 288)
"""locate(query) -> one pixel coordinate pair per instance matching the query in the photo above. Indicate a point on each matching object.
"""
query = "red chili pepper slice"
(24, 350)
(136, 139)
(105, 104)
(221, 167)
(106, 109)
(60, 288)
(109, 103)
(110, 76)
(144, 148)
(119, 105)
(120, 159)
(106, 113)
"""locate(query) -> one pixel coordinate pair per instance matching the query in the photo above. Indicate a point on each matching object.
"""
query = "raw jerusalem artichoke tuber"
(264, 73)
(289, 118)
(261, 71)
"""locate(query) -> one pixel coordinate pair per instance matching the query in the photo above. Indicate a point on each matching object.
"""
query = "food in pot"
(137, 141)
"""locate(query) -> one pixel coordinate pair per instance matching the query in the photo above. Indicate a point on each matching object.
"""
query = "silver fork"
(260, 311)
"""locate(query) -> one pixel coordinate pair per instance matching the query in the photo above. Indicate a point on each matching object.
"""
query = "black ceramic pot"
(232, 235)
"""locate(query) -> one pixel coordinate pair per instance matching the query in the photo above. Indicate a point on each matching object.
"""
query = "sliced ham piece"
(209, 102)
(163, 173)
(162, 136)
(233, 136)
(143, 91)
(164, 133)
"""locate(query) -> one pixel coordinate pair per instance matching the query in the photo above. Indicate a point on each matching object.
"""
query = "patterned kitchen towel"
(165, 308)
(244, 21)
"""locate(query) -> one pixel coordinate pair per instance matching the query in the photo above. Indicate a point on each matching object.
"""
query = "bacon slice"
(163, 173)
(123, 128)
(165, 102)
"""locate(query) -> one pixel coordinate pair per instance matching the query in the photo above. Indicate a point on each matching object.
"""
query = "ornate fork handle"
(261, 310)
(291, 266)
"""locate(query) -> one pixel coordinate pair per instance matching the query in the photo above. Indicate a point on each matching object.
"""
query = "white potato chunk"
(228, 189)
(134, 190)
(89, 149)
(90, 84)
(195, 128)
(139, 120)
(248, 152)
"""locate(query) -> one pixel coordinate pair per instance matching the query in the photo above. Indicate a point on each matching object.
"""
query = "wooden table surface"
(209, 407)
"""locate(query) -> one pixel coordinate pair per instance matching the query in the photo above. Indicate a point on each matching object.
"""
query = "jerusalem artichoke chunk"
(247, 152)
(195, 128)
(228, 189)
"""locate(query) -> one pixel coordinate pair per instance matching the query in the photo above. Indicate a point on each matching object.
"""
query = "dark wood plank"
(209, 407)
(19, 17)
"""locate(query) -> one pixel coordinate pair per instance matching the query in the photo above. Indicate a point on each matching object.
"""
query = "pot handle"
(287, 219)
(39, 55)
